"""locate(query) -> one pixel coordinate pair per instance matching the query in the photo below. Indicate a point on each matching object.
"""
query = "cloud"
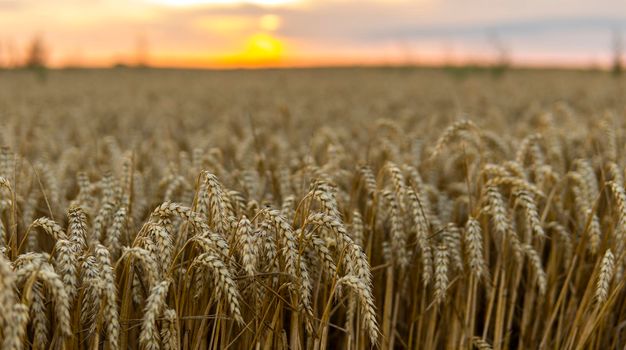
(530, 27)
(368, 21)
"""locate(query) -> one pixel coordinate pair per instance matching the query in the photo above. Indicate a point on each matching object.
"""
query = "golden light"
(264, 47)
(261, 49)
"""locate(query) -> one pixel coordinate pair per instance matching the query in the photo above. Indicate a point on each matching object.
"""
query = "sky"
(286, 33)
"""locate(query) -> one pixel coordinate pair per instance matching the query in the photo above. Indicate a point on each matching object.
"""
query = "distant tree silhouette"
(617, 53)
(36, 57)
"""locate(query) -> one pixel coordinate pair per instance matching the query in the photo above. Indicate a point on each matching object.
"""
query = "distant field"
(312, 209)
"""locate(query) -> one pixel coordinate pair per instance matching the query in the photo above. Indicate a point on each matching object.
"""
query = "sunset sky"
(259, 33)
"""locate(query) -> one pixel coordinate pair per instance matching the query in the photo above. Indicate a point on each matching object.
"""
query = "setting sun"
(264, 46)
(261, 49)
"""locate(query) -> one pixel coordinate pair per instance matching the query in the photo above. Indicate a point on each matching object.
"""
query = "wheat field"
(312, 209)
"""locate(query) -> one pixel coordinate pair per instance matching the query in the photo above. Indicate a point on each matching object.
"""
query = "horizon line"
(454, 65)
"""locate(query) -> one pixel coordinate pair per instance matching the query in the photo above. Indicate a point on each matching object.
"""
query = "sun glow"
(261, 49)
